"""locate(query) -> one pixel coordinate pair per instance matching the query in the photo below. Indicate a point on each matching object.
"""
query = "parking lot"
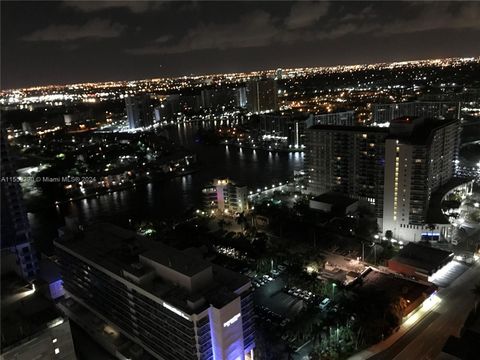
(446, 275)
(272, 296)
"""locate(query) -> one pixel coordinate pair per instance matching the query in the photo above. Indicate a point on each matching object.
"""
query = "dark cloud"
(302, 24)
(136, 7)
(304, 14)
(133, 38)
(92, 29)
(163, 39)
(434, 16)
(253, 30)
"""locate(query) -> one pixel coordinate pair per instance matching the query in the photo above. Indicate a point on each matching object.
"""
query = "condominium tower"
(347, 159)
(396, 169)
(172, 304)
(420, 157)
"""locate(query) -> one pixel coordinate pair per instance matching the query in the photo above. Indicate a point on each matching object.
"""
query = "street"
(425, 338)
(456, 302)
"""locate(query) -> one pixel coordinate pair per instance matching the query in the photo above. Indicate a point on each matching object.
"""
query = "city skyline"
(254, 73)
(101, 40)
(227, 180)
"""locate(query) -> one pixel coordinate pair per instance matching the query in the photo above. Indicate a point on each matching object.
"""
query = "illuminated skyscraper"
(347, 159)
(241, 96)
(172, 304)
(262, 95)
(420, 157)
(396, 169)
(139, 111)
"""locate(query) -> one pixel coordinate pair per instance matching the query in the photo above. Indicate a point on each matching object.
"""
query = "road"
(456, 302)
(425, 339)
(401, 343)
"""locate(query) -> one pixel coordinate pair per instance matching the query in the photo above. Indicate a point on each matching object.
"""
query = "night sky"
(78, 41)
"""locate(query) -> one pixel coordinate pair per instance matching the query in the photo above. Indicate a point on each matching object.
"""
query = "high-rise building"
(279, 73)
(18, 253)
(228, 97)
(262, 95)
(171, 304)
(241, 96)
(420, 157)
(341, 118)
(347, 159)
(225, 195)
(139, 111)
(168, 109)
(383, 113)
(397, 169)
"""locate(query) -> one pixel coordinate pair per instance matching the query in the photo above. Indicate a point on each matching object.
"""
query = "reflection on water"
(168, 199)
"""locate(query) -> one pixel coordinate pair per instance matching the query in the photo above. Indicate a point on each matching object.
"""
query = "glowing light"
(232, 320)
(55, 322)
(431, 302)
(441, 273)
(175, 310)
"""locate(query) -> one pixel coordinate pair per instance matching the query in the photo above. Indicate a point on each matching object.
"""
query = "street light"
(333, 290)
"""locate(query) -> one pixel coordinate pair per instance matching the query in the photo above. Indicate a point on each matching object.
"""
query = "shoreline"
(262, 148)
(106, 191)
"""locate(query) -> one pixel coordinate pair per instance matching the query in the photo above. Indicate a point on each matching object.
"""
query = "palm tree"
(389, 234)
(476, 292)
(263, 264)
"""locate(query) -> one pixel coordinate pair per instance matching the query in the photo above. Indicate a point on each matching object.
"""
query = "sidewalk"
(412, 320)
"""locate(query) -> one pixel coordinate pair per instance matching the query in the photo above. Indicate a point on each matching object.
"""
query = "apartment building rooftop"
(373, 280)
(25, 312)
(181, 278)
(423, 257)
(357, 128)
(416, 130)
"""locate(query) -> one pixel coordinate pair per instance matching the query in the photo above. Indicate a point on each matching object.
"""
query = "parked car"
(325, 302)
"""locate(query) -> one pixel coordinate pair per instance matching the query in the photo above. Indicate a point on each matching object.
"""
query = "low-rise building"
(334, 203)
(411, 294)
(226, 196)
(419, 261)
(32, 327)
